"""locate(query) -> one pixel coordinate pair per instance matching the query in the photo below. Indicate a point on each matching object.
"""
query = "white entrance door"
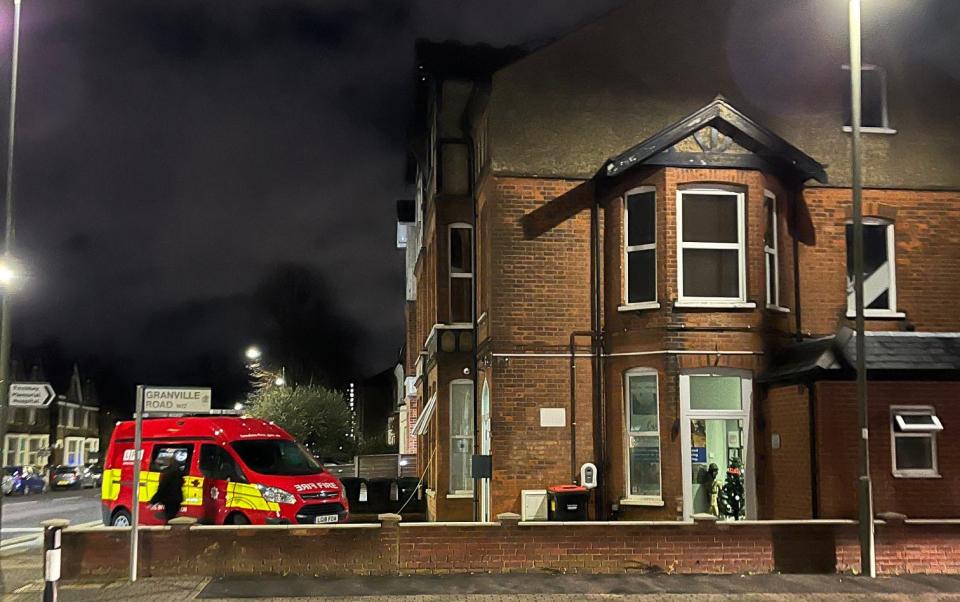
(716, 429)
(485, 450)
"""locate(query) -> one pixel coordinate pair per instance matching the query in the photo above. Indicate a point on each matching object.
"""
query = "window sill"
(636, 501)
(715, 304)
(871, 130)
(879, 315)
(919, 475)
(459, 496)
(778, 309)
(639, 306)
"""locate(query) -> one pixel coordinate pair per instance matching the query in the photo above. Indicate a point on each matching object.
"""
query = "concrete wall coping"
(932, 521)
(448, 524)
(675, 523)
(296, 527)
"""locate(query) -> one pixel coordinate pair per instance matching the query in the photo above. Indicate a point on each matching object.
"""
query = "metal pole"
(864, 487)
(135, 511)
(8, 243)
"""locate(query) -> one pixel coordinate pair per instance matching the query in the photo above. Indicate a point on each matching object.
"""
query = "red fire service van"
(236, 471)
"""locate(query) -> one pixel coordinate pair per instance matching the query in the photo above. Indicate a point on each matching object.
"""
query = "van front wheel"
(238, 519)
(120, 518)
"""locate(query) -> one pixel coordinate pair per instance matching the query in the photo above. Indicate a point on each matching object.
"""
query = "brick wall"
(391, 549)
(525, 454)
(783, 475)
(927, 234)
(837, 432)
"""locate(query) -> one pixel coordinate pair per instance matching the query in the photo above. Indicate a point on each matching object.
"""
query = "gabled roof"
(771, 149)
(893, 355)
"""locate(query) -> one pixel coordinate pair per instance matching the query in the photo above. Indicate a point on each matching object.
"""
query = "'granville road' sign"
(176, 400)
(31, 395)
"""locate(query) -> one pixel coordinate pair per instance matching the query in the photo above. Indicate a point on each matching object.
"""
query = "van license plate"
(325, 518)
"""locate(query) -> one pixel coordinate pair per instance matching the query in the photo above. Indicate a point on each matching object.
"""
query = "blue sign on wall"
(698, 455)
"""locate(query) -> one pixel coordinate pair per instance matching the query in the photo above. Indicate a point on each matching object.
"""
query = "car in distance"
(22, 480)
(66, 477)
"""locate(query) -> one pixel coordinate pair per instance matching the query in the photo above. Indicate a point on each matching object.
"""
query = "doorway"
(716, 429)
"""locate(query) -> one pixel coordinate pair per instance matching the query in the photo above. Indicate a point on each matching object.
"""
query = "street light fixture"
(8, 273)
(253, 353)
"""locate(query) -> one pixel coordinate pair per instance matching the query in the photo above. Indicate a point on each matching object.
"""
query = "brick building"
(629, 247)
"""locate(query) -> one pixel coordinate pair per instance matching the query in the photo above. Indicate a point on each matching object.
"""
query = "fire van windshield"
(273, 457)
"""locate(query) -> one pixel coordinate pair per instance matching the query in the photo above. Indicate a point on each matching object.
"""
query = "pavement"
(21, 578)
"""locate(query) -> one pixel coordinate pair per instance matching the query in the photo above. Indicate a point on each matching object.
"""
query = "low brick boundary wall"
(509, 546)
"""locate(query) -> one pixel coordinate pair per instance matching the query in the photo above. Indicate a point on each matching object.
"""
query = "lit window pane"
(461, 437)
(715, 392)
(640, 219)
(643, 403)
(914, 453)
(711, 273)
(877, 270)
(710, 218)
(645, 466)
(641, 276)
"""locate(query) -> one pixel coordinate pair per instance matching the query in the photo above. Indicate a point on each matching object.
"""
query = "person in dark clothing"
(169, 491)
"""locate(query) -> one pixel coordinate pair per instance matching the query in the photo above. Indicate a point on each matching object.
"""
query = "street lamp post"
(864, 486)
(8, 274)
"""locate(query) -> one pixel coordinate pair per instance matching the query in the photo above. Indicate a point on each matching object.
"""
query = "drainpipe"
(574, 471)
(597, 348)
(798, 336)
(814, 464)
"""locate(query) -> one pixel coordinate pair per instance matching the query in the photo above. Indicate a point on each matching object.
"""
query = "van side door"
(219, 470)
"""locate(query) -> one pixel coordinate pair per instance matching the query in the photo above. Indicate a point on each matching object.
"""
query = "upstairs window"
(771, 249)
(461, 273)
(640, 247)
(879, 269)
(873, 99)
(913, 432)
(710, 254)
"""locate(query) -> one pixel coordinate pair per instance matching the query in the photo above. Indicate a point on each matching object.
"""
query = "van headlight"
(277, 495)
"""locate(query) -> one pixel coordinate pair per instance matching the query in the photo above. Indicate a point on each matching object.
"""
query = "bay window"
(642, 436)
(640, 248)
(461, 437)
(710, 257)
(771, 249)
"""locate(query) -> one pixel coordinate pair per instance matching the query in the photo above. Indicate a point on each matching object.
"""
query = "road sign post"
(164, 401)
(31, 395)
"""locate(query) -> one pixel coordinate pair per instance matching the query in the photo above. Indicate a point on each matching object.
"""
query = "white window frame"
(626, 305)
(922, 432)
(451, 275)
(75, 445)
(452, 493)
(639, 500)
(885, 128)
(739, 246)
(891, 310)
(771, 255)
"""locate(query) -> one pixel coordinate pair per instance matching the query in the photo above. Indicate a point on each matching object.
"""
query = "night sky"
(195, 176)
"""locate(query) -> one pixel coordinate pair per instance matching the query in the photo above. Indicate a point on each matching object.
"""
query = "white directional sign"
(31, 395)
(176, 400)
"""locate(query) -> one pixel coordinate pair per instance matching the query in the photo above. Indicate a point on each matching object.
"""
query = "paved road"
(22, 515)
